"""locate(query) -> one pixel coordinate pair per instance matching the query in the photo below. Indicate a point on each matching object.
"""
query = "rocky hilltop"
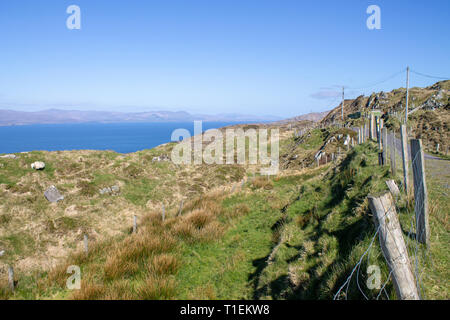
(428, 115)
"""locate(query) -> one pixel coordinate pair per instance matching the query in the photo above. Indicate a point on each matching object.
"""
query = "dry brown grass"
(142, 265)
(120, 290)
(156, 288)
(163, 264)
(5, 292)
(203, 293)
(240, 209)
(210, 201)
(89, 291)
(115, 270)
(262, 183)
(138, 247)
(58, 275)
(198, 225)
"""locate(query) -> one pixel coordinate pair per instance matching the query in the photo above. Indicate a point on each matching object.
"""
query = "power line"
(381, 81)
(428, 76)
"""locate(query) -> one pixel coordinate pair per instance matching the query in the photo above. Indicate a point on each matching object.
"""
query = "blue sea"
(119, 137)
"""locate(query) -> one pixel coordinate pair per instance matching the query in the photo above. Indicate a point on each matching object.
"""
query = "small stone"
(38, 165)
(109, 190)
(52, 194)
(105, 190)
(2, 253)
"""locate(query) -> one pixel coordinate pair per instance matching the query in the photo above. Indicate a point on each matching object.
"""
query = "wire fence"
(418, 257)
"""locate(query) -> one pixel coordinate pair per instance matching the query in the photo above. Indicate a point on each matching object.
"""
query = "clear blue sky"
(249, 56)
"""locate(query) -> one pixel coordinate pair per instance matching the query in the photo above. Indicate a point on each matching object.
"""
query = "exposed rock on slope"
(429, 116)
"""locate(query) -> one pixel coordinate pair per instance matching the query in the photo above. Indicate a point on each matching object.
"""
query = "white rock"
(2, 253)
(9, 156)
(38, 165)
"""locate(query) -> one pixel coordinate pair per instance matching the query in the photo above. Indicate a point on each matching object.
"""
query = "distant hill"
(313, 116)
(56, 116)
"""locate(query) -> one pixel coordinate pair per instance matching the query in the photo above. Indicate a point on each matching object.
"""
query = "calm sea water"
(120, 137)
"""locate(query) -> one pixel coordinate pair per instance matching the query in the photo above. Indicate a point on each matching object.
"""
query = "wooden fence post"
(11, 278)
(393, 188)
(371, 123)
(365, 131)
(377, 129)
(384, 144)
(420, 192)
(86, 244)
(393, 245)
(404, 138)
(379, 137)
(361, 134)
(393, 152)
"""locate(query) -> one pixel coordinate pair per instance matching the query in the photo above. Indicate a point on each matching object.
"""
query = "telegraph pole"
(342, 107)
(407, 94)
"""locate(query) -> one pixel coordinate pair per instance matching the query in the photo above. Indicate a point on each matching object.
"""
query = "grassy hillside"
(295, 236)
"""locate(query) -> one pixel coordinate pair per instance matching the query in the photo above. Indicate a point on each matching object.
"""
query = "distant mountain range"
(313, 116)
(56, 116)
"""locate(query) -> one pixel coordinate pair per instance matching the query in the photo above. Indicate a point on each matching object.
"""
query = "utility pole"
(407, 94)
(342, 107)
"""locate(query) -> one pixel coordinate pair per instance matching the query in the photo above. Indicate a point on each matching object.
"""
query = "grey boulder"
(52, 194)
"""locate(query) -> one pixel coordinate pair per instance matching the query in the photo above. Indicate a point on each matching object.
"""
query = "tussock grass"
(141, 265)
(155, 288)
(90, 290)
(163, 264)
(262, 183)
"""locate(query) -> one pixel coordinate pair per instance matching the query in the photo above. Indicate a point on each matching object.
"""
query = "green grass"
(324, 233)
(290, 237)
(230, 267)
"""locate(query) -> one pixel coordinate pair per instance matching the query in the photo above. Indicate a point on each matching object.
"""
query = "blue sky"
(281, 57)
